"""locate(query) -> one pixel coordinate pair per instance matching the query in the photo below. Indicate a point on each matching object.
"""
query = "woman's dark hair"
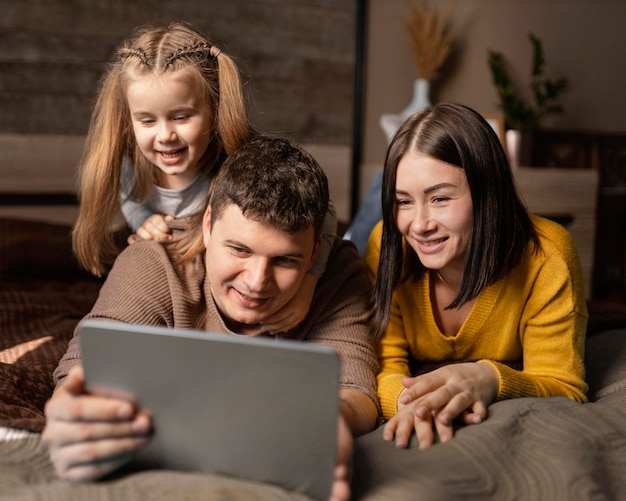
(502, 228)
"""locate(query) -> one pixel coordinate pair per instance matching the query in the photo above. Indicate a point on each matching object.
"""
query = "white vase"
(391, 122)
(519, 148)
(421, 97)
(513, 147)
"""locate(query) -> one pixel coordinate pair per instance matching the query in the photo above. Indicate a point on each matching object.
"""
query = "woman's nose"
(422, 221)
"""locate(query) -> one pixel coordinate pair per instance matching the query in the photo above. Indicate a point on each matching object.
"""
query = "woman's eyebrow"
(438, 187)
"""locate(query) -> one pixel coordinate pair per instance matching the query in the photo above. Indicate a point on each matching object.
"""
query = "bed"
(528, 448)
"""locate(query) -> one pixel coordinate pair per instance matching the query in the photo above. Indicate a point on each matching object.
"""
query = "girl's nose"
(166, 134)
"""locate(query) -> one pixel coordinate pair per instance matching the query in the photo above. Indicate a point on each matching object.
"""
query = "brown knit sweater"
(144, 287)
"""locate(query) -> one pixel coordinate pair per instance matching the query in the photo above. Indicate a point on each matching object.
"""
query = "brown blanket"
(528, 448)
(43, 295)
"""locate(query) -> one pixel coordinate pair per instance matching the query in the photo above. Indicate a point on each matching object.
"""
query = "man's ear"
(206, 225)
(316, 249)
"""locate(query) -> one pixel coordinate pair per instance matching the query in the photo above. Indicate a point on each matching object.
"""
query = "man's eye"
(286, 261)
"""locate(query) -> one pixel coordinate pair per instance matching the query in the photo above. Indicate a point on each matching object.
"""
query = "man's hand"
(357, 415)
(343, 467)
(90, 436)
(154, 227)
(434, 400)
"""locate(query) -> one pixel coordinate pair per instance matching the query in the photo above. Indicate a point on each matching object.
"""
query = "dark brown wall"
(297, 58)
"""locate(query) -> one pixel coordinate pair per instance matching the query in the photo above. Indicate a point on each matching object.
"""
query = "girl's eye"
(147, 121)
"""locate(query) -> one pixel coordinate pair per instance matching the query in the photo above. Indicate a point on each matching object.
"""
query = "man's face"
(254, 268)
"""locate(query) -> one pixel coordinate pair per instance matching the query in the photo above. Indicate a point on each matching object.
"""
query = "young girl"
(170, 110)
(477, 300)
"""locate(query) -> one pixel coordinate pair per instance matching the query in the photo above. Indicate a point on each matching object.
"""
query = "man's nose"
(259, 274)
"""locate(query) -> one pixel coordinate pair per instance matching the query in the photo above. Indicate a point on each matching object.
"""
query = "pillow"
(605, 363)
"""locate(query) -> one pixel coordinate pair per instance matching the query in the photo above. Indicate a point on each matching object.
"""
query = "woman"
(477, 300)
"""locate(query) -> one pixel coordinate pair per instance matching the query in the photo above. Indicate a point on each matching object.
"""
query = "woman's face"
(434, 210)
(172, 125)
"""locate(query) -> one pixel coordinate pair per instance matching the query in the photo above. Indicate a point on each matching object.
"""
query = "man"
(259, 236)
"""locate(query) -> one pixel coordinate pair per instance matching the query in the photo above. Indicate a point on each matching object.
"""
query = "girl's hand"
(290, 315)
(154, 227)
(436, 399)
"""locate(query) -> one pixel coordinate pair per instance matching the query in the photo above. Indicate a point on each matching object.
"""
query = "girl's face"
(172, 125)
(434, 211)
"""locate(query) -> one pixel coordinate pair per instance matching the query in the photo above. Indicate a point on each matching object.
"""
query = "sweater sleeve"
(552, 328)
(393, 354)
(341, 317)
(392, 349)
(138, 290)
(135, 213)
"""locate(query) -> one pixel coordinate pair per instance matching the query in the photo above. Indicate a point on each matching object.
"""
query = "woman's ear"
(206, 225)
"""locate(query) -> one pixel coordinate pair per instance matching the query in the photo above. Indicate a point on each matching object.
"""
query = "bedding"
(527, 449)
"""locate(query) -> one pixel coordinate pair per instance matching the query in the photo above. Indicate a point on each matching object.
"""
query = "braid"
(197, 50)
(139, 53)
(215, 52)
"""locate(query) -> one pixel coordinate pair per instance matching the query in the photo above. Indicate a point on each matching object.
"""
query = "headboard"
(570, 197)
(37, 178)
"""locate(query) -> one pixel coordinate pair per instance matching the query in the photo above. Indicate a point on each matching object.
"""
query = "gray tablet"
(254, 408)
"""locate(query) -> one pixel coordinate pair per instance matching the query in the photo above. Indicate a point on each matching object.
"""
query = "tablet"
(261, 409)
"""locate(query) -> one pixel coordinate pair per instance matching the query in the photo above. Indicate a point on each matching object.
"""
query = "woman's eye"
(440, 200)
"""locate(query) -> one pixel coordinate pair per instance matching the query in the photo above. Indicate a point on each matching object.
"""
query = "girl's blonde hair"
(151, 51)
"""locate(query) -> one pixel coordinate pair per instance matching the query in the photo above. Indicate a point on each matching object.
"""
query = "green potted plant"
(521, 113)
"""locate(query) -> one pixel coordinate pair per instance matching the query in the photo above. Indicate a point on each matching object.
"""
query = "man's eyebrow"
(234, 243)
(237, 243)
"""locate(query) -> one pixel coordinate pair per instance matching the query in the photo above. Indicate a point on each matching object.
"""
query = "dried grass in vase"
(431, 39)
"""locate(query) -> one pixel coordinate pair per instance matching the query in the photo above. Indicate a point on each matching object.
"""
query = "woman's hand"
(154, 227)
(433, 401)
(90, 436)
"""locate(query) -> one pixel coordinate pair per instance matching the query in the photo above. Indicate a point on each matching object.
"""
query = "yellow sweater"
(535, 318)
